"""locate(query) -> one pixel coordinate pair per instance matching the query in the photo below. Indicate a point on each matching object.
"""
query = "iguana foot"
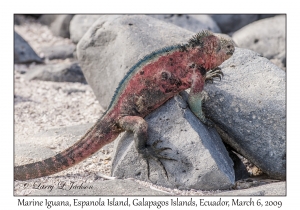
(152, 152)
(211, 74)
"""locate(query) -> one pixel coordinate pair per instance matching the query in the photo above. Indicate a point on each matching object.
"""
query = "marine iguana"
(149, 83)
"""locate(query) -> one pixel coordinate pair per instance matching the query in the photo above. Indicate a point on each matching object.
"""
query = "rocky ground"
(48, 114)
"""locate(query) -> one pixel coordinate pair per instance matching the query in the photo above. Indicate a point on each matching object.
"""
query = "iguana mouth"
(230, 52)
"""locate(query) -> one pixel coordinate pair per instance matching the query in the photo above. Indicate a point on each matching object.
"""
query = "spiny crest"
(198, 38)
(226, 40)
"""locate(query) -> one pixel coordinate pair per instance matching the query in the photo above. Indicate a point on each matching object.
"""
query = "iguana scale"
(148, 84)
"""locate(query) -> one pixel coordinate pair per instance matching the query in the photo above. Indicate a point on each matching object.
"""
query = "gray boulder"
(47, 19)
(116, 42)
(262, 16)
(80, 24)
(194, 23)
(64, 72)
(231, 23)
(23, 53)
(19, 19)
(249, 108)
(267, 37)
(202, 160)
(60, 25)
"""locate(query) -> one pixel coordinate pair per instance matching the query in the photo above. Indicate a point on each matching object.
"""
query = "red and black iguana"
(148, 84)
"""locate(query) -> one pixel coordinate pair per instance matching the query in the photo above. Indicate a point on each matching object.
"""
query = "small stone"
(23, 53)
(59, 51)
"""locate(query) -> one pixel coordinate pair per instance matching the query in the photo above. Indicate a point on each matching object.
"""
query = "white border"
(154, 6)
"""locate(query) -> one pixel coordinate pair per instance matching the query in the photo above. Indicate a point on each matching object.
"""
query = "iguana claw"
(151, 151)
(211, 74)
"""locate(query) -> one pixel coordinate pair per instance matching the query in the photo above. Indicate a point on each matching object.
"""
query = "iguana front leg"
(211, 74)
(195, 99)
(139, 127)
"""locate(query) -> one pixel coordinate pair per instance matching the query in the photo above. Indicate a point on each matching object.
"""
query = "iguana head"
(210, 50)
(227, 44)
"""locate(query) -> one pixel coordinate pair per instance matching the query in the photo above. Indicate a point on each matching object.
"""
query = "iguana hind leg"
(139, 127)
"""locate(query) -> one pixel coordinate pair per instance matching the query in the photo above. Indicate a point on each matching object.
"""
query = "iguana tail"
(98, 136)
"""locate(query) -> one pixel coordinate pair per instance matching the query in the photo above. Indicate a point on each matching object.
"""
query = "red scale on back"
(168, 75)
